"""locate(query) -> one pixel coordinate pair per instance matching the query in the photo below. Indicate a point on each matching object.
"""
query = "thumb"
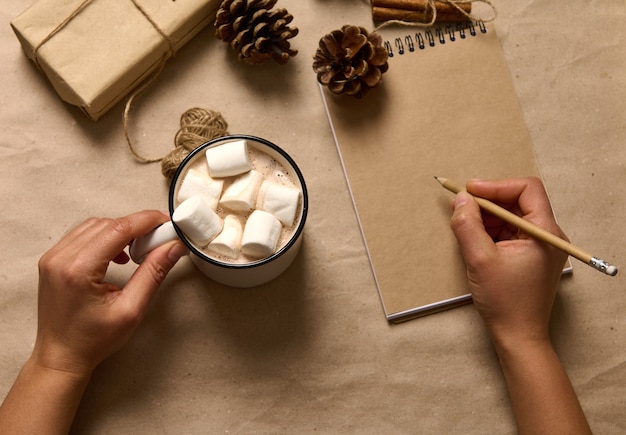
(467, 225)
(152, 272)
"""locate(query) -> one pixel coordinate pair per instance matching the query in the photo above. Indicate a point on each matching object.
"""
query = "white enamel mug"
(232, 274)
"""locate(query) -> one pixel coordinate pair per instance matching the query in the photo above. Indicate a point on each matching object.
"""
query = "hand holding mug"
(83, 318)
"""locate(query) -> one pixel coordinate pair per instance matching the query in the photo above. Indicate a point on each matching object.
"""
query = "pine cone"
(254, 31)
(350, 61)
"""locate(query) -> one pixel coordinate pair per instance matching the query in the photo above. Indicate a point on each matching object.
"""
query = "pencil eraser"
(611, 270)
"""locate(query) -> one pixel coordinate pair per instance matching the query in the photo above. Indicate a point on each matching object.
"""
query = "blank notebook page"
(446, 110)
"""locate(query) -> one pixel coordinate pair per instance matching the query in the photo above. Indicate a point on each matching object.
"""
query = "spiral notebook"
(446, 107)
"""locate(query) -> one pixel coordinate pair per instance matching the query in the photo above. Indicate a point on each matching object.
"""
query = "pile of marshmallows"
(270, 204)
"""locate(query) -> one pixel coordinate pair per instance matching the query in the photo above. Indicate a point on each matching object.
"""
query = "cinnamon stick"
(387, 14)
(422, 5)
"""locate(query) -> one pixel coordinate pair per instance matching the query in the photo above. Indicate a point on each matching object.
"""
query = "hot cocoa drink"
(238, 202)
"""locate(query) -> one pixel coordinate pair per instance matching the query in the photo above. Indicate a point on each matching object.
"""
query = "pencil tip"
(440, 179)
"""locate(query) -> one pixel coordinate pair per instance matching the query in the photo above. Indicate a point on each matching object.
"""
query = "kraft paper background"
(312, 352)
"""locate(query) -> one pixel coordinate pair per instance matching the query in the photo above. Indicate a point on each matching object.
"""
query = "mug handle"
(142, 246)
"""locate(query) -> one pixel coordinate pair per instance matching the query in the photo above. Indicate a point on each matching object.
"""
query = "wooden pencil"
(534, 231)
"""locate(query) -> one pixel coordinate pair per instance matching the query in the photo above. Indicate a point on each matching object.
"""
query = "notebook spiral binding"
(432, 37)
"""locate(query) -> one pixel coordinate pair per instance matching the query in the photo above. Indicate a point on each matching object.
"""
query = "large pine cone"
(254, 31)
(350, 61)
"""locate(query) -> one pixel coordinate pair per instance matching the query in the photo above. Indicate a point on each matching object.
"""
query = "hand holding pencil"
(513, 278)
(534, 230)
(505, 266)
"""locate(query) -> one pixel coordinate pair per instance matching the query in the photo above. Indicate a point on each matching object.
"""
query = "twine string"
(432, 8)
(170, 42)
(197, 126)
(126, 116)
(148, 82)
(170, 53)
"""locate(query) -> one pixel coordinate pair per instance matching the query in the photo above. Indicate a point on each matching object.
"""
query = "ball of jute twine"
(197, 126)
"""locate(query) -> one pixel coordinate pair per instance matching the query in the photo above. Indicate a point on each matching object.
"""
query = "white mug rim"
(292, 240)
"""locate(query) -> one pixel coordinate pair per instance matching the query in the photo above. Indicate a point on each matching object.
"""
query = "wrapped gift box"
(95, 52)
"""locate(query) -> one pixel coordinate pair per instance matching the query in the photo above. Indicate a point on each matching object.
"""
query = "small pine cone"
(254, 31)
(350, 61)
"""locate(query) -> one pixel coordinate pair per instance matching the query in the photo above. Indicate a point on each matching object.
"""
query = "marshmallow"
(241, 194)
(197, 182)
(281, 201)
(228, 159)
(260, 234)
(228, 242)
(197, 220)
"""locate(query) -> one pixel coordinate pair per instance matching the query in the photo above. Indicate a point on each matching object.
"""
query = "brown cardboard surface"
(311, 351)
(448, 110)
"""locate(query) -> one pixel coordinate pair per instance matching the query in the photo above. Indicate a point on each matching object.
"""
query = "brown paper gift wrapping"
(108, 48)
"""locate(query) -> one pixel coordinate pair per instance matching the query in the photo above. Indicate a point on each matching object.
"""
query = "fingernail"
(473, 182)
(176, 252)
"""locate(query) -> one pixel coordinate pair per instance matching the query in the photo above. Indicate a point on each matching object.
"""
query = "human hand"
(512, 277)
(82, 318)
